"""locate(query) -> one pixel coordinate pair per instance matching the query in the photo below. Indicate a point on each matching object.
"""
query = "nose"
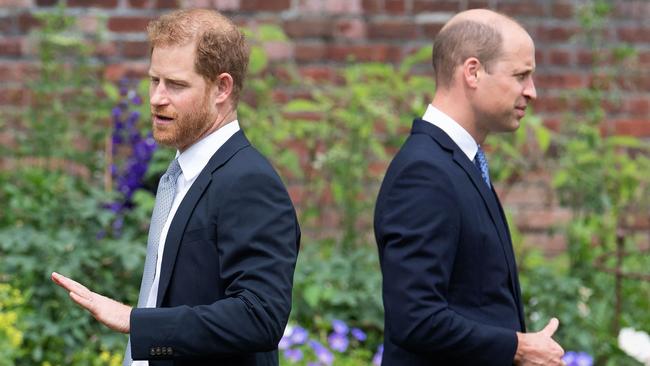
(158, 94)
(529, 89)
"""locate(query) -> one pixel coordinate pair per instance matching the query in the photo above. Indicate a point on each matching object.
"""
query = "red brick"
(115, 72)
(633, 127)
(555, 33)
(392, 29)
(570, 81)
(421, 6)
(429, 31)
(551, 244)
(350, 29)
(540, 56)
(343, 7)
(526, 194)
(585, 58)
(559, 57)
(27, 22)
(553, 124)
(135, 49)
(6, 4)
(11, 46)
(6, 25)
(264, 5)
(46, 2)
(92, 3)
(551, 104)
(372, 6)
(167, 4)
(141, 4)
(309, 28)
(395, 6)
(524, 8)
(128, 24)
(637, 107)
(542, 219)
(13, 97)
(634, 34)
(562, 10)
(644, 57)
(477, 4)
(227, 5)
(377, 52)
(318, 73)
(306, 52)
(105, 49)
(632, 10)
(278, 50)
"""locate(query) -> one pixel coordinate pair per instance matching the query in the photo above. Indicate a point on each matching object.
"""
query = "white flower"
(635, 344)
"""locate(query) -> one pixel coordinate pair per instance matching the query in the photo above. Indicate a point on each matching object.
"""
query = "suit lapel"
(489, 196)
(177, 227)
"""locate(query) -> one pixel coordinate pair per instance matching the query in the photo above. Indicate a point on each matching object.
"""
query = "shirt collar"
(455, 131)
(196, 157)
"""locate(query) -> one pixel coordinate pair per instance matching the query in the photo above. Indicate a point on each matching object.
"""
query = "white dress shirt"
(455, 131)
(192, 162)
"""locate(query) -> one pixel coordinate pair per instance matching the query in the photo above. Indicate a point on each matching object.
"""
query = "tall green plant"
(603, 178)
(65, 117)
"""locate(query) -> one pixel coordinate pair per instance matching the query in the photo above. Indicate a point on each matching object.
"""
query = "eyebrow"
(171, 80)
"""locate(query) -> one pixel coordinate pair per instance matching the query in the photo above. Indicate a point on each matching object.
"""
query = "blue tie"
(481, 163)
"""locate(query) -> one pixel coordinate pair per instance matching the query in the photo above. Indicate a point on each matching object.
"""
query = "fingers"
(84, 302)
(71, 286)
(551, 327)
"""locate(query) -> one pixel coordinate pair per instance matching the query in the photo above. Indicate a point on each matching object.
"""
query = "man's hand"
(109, 312)
(539, 348)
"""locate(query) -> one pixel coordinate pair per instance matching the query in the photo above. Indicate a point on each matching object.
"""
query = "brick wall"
(325, 33)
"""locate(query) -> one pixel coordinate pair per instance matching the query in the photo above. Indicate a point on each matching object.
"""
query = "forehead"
(518, 50)
(173, 61)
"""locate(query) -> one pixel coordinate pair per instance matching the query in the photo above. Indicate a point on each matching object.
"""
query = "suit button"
(170, 351)
(152, 351)
(158, 351)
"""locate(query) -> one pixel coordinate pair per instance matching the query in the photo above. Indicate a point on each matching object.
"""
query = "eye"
(154, 80)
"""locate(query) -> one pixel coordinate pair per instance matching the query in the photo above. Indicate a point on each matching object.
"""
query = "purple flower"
(358, 334)
(572, 358)
(322, 353)
(293, 355)
(299, 335)
(136, 100)
(376, 360)
(338, 342)
(340, 327)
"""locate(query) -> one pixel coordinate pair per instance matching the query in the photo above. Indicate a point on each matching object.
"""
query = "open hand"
(109, 312)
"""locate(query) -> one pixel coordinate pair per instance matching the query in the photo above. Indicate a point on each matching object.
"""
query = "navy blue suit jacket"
(227, 271)
(450, 286)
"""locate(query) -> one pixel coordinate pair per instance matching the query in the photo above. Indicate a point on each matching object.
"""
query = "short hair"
(459, 41)
(220, 45)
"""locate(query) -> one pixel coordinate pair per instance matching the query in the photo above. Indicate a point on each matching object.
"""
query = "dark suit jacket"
(451, 292)
(225, 286)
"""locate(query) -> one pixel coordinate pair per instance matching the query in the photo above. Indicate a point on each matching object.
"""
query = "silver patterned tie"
(481, 163)
(164, 199)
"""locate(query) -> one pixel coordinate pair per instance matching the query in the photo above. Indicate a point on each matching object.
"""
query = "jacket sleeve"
(417, 226)
(258, 239)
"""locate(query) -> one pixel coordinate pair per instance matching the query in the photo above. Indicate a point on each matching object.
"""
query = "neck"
(456, 107)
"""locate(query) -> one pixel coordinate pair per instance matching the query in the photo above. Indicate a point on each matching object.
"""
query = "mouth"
(162, 119)
(520, 111)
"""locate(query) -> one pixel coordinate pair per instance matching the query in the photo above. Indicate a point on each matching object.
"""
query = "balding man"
(451, 290)
(223, 241)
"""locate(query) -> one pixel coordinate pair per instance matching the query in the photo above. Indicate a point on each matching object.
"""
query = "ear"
(471, 71)
(222, 88)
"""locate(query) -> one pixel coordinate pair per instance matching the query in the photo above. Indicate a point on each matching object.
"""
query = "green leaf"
(258, 60)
